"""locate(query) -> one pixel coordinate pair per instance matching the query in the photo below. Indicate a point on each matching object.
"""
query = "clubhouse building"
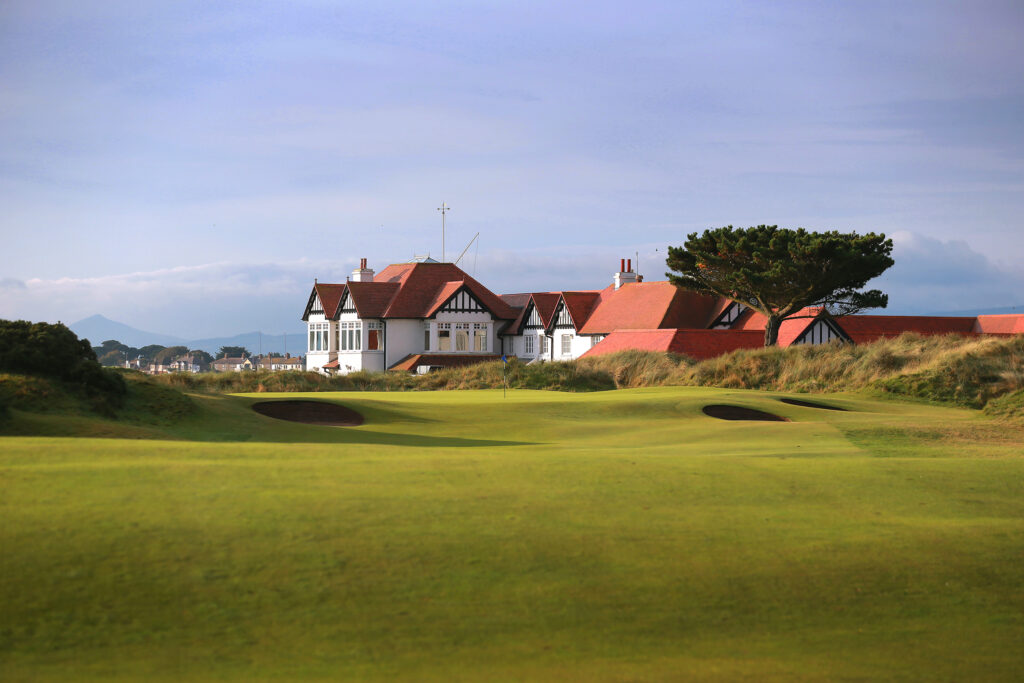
(424, 315)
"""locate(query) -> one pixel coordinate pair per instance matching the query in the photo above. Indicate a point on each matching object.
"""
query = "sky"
(190, 167)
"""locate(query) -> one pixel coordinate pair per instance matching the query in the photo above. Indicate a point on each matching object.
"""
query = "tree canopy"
(233, 352)
(165, 356)
(778, 272)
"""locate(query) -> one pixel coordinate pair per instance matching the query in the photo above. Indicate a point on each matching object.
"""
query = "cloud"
(189, 301)
(932, 275)
(11, 283)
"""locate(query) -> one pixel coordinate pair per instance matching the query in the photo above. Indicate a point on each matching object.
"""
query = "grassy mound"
(44, 405)
(966, 371)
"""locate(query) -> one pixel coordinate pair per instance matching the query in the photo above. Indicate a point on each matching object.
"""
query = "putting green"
(544, 536)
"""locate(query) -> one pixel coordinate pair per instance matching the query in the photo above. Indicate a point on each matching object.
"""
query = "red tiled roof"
(696, 343)
(371, 299)
(333, 365)
(647, 305)
(329, 295)
(866, 328)
(444, 360)
(1012, 323)
(546, 303)
(580, 305)
(518, 302)
(420, 285)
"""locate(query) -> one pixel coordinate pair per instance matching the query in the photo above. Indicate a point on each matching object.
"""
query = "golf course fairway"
(463, 536)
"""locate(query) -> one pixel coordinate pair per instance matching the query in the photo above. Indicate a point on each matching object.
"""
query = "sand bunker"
(310, 412)
(808, 404)
(724, 412)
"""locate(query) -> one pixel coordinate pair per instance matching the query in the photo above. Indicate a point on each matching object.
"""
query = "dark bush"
(45, 350)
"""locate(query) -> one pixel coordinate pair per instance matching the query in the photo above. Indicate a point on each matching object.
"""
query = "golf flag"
(504, 358)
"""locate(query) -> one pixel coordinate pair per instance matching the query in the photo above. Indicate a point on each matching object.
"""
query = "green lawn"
(617, 536)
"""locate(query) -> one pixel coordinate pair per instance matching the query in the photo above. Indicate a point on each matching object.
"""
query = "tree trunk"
(771, 331)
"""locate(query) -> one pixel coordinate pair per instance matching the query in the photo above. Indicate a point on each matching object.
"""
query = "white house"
(413, 316)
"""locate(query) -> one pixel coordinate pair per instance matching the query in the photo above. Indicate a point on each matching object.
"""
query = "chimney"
(625, 274)
(362, 273)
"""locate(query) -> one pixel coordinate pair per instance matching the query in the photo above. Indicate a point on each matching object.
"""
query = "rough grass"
(966, 371)
(463, 536)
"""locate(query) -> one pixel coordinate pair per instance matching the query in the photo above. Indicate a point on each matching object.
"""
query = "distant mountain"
(98, 329)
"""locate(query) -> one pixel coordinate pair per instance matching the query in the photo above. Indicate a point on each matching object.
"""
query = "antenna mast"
(467, 248)
(444, 209)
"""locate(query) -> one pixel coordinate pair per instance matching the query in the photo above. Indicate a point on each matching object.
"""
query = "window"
(426, 338)
(462, 336)
(596, 339)
(566, 344)
(545, 345)
(444, 337)
(479, 337)
(374, 336)
(351, 336)
(528, 344)
(318, 336)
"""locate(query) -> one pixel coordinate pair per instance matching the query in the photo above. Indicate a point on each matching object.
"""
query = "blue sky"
(191, 167)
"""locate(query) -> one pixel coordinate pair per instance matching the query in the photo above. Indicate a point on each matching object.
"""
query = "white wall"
(403, 337)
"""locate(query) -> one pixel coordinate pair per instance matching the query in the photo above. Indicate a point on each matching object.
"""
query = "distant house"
(187, 363)
(276, 363)
(232, 365)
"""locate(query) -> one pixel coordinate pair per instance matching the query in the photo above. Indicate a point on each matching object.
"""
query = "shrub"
(45, 350)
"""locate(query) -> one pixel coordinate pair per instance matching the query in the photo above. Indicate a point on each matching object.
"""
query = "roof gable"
(580, 305)
(456, 297)
(371, 299)
(422, 287)
(323, 298)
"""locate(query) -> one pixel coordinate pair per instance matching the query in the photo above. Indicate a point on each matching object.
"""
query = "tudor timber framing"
(729, 316)
(562, 318)
(533, 321)
(347, 305)
(822, 330)
(314, 306)
(462, 301)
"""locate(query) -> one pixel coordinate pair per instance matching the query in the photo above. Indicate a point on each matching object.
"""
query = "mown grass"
(543, 536)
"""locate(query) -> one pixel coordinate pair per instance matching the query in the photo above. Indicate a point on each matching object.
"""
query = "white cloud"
(932, 275)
